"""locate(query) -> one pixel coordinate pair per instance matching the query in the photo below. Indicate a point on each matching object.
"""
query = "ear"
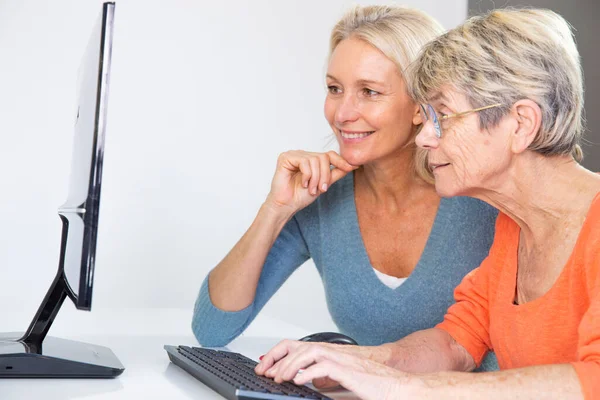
(417, 117)
(528, 118)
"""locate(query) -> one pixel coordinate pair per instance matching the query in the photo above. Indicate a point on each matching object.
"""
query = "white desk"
(137, 337)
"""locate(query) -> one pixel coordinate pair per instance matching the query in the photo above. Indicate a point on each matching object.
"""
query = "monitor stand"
(33, 355)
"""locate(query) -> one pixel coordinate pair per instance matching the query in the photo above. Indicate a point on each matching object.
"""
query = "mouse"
(329, 337)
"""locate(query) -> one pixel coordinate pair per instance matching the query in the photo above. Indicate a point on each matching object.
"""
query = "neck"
(389, 182)
(543, 195)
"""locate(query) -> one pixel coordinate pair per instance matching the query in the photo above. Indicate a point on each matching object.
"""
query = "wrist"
(419, 387)
(384, 354)
(277, 210)
(279, 214)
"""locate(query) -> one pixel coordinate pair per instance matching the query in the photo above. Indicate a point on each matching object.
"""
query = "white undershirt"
(390, 281)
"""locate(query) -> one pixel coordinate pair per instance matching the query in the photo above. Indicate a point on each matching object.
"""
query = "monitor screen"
(79, 214)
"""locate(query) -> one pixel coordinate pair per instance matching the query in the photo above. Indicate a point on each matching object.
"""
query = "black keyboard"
(232, 375)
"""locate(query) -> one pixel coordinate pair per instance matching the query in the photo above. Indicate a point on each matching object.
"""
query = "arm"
(216, 327)
(558, 381)
(362, 371)
(429, 350)
(299, 178)
(240, 270)
(373, 381)
(575, 380)
(267, 253)
(460, 342)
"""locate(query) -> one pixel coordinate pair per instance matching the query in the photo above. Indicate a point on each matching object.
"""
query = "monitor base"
(55, 358)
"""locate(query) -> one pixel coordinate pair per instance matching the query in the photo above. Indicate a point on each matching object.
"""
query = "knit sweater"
(562, 326)
(360, 304)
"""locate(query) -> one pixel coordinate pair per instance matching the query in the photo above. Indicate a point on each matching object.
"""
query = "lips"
(348, 135)
(434, 166)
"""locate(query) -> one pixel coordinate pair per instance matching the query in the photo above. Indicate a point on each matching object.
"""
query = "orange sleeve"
(587, 365)
(467, 321)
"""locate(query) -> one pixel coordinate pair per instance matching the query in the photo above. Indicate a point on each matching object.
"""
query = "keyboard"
(232, 375)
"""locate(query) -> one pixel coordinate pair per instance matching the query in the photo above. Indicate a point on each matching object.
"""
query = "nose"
(427, 139)
(347, 110)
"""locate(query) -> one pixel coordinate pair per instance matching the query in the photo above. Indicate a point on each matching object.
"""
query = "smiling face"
(367, 105)
(466, 160)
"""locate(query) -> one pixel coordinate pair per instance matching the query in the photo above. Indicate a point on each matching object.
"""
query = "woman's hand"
(328, 363)
(301, 176)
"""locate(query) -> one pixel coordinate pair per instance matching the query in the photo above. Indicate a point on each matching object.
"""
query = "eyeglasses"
(429, 114)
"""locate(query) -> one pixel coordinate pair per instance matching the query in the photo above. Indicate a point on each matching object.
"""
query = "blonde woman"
(389, 251)
(502, 101)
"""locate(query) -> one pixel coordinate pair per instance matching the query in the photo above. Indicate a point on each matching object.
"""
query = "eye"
(369, 92)
(441, 114)
(333, 89)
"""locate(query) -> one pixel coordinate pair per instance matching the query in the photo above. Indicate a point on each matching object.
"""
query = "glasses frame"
(436, 121)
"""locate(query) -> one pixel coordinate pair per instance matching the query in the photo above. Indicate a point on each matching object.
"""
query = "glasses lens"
(433, 117)
(424, 113)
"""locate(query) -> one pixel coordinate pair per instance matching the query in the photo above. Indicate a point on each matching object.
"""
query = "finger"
(306, 171)
(325, 370)
(347, 377)
(316, 175)
(287, 368)
(339, 162)
(337, 174)
(325, 172)
(294, 161)
(289, 161)
(275, 354)
(304, 356)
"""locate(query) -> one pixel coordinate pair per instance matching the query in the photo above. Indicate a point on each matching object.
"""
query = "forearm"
(240, 270)
(429, 350)
(557, 381)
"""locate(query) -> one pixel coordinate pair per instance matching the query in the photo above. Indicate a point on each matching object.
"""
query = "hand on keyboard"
(232, 375)
(368, 379)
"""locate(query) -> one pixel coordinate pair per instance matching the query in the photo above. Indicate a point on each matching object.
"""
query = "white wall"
(204, 96)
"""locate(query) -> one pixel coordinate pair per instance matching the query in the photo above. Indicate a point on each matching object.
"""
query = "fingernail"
(261, 357)
(314, 191)
(305, 184)
(324, 187)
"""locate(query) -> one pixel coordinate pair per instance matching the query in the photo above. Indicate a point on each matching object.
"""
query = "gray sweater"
(360, 304)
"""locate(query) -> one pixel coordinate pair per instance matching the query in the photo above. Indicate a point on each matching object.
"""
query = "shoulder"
(591, 227)
(589, 242)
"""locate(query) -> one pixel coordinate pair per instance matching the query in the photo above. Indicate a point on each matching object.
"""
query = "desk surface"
(137, 337)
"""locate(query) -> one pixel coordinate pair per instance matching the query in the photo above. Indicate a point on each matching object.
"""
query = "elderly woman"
(502, 107)
(389, 250)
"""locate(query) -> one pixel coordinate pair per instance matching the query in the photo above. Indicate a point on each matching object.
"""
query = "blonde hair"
(505, 56)
(398, 32)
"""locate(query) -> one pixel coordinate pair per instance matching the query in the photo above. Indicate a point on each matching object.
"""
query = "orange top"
(562, 326)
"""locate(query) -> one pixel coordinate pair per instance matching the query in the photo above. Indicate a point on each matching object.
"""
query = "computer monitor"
(33, 354)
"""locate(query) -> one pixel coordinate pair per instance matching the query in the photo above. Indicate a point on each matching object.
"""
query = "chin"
(445, 190)
(353, 158)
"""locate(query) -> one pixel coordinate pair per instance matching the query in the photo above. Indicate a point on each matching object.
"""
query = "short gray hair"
(505, 56)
